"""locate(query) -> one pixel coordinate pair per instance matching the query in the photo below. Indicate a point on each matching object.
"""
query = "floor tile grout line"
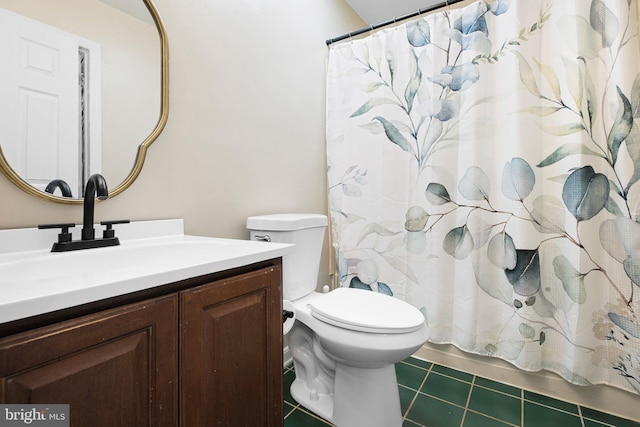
(404, 362)
(469, 410)
(522, 407)
(415, 396)
(473, 411)
(580, 415)
(408, 362)
(311, 414)
(441, 399)
(452, 377)
(422, 368)
(290, 412)
(316, 417)
(595, 420)
(504, 393)
(586, 417)
(466, 405)
(461, 406)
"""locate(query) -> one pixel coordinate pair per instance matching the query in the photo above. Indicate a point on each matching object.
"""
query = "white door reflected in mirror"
(50, 122)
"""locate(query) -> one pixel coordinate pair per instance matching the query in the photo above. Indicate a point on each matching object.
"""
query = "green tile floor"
(436, 396)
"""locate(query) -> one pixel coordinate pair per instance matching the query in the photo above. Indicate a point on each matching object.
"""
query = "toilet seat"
(366, 311)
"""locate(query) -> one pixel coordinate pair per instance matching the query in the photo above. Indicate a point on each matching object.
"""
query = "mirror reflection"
(80, 89)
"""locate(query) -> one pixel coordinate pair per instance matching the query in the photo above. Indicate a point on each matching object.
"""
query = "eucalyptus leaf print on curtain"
(484, 164)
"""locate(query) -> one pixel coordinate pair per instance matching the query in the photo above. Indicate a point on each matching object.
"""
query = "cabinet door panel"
(113, 368)
(231, 352)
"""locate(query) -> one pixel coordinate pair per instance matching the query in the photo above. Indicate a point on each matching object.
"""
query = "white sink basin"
(40, 281)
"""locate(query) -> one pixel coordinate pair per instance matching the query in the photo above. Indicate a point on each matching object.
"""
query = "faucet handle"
(108, 232)
(64, 236)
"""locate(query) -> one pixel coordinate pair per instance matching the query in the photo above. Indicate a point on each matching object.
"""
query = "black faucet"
(62, 185)
(96, 187)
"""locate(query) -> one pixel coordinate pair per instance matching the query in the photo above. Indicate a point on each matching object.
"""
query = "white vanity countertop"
(35, 281)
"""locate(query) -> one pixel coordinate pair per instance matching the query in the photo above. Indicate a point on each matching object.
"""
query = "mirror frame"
(142, 148)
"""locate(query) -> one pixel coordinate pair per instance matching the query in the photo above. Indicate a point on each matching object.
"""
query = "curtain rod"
(392, 21)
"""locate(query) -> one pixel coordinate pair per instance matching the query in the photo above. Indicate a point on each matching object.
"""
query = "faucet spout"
(62, 185)
(96, 187)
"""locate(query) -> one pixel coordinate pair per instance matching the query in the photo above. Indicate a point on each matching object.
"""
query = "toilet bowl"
(345, 343)
(358, 366)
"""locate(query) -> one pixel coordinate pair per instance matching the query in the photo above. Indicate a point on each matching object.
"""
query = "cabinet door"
(114, 368)
(231, 352)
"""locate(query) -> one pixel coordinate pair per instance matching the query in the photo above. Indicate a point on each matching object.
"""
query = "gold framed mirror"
(139, 113)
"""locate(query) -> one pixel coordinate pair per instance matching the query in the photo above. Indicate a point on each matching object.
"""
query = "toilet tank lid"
(286, 222)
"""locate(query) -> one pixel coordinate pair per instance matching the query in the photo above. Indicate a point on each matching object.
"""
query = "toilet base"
(319, 404)
(366, 397)
(361, 398)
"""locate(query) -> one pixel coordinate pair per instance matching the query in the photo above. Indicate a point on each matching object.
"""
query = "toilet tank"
(306, 231)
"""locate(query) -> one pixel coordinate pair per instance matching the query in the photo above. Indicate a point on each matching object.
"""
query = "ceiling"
(377, 11)
(137, 9)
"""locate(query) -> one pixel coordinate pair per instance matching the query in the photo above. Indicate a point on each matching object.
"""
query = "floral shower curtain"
(484, 166)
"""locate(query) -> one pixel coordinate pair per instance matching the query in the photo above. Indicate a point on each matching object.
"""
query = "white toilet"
(344, 343)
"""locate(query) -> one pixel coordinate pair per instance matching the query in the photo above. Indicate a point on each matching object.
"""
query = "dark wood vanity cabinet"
(206, 353)
(231, 352)
(113, 368)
